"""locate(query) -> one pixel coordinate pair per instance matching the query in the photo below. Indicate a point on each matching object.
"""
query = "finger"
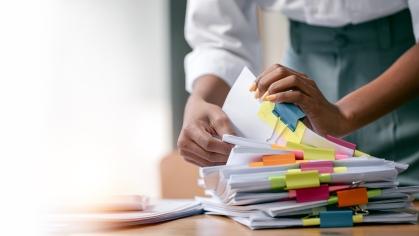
(194, 148)
(275, 75)
(296, 97)
(222, 125)
(254, 85)
(197, 160)
(199, 135)
(291, 82)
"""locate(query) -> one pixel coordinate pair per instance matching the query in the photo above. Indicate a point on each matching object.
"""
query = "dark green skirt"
(344, 59)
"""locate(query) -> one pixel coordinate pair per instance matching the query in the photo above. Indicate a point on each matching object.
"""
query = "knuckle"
(281, 71)
(299, 95)
(221, 121)
(206, 143)
(294, 79)
(275, 66)
(182, 143)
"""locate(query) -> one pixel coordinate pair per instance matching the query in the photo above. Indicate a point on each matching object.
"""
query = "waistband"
(379, 34)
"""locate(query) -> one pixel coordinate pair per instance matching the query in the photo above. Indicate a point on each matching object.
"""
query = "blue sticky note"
(332, 219)
(289, 114)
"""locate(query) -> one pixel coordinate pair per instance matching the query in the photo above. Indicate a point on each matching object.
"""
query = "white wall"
(275, 35)
(86, 87)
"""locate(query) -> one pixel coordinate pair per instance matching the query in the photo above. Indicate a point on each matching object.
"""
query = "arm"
(394, 88)
(224, 38)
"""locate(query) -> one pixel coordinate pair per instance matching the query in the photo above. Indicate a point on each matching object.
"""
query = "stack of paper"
(156, 211)
(294, 177)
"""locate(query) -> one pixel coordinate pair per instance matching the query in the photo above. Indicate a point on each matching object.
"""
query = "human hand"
(196, 142)
(281, 84)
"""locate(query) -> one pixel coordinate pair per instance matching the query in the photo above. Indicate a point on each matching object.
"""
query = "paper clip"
(289, 114)
(356, 184)
(361, 210)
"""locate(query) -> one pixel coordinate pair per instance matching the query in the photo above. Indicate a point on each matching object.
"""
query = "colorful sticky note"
(299, 154)
(275, 146)
(312, 194)
(321, 166)
(341, 142)
(277, 182)
(360, 154)
(294, 146)
(278, 159)
(255, 164)
(307, 179)
(352, 197)
(265, 114)
(331, 219)
(311, 221)
(319, 154)
(297, 135)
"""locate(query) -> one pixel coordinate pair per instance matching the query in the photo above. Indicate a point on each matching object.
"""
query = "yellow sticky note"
(360, 154)
(311, 221)
(319, 154)
(341, 169)
(357, 218)
(265, 114)
(305, 179)
(297, 135)
(294, 146)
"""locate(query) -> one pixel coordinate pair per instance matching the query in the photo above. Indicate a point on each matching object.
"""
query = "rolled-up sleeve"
(224, 37)
(414, 11)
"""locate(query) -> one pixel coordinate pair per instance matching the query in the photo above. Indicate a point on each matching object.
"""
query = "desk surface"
(219, 225)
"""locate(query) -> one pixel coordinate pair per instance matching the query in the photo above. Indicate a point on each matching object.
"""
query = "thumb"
(222, 125)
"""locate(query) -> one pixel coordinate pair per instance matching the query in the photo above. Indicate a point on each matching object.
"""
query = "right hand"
(196, 143)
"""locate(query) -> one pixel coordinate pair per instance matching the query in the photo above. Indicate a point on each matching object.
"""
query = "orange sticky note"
(352, 197)
(279, 159)
(301, 161)
(277, 147)
(255, 164)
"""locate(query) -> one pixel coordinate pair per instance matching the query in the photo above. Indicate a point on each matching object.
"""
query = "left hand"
(281, 84)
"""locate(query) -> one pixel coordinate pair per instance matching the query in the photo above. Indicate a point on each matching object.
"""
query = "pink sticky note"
(323, 167)
(312, 194)
(337, 188)
(299, 155)
(292, 193)
(341, 142)
(341, 157)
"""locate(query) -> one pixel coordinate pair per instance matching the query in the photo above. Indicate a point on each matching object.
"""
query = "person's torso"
(333, 13)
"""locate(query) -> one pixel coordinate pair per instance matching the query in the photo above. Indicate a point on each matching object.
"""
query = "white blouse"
(224, 33)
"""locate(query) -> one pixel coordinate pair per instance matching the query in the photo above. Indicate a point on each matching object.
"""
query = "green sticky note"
(360, 154)
(306, 179)
(277, 182)
(373, 193)
(294, 146)
(319, 154)
(325, 178)
(332, 200)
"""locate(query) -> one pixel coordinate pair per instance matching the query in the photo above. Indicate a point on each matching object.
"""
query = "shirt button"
(340, 40)
(314, 10)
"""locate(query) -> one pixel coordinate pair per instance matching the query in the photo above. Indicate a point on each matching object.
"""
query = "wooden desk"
(218, 225)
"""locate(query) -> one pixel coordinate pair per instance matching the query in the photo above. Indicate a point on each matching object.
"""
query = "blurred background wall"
(92, 92)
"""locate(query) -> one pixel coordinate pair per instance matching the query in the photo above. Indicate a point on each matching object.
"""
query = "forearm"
(211, 88)
(394, 88)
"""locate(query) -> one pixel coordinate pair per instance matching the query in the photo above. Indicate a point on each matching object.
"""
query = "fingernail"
(253, 87)
(264, 96)
(271, 97)
(257, 93)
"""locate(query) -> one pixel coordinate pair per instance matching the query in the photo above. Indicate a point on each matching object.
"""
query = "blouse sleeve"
(224, 37)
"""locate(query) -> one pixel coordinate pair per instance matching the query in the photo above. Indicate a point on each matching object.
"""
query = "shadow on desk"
(179, 179)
